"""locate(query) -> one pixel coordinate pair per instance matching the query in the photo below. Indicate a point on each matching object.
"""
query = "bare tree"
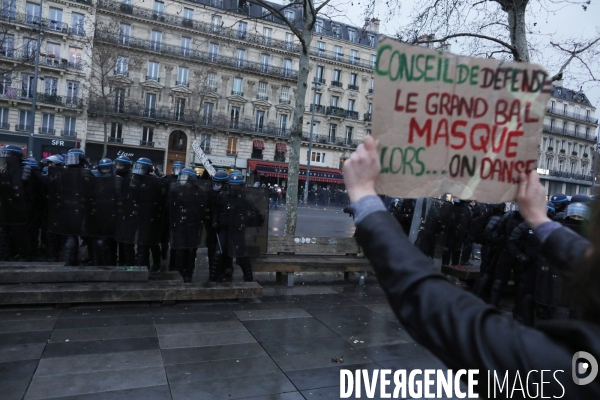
(495, 28)
(106, 64)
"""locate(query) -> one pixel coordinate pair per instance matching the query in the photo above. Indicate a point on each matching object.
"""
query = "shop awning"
(259, 145)
(275, 169)
(281, 147)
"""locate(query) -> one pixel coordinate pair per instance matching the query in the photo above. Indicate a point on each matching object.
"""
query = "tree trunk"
(105, 123)
(298, 121)
(518, 33)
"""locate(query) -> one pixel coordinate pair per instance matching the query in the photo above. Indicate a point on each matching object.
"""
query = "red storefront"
(265, 171)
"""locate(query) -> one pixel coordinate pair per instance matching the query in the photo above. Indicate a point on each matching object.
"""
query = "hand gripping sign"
(203, 159)
(455, 124)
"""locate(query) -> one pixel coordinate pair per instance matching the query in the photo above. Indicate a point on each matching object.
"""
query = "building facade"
(60, 118)
(569, 142)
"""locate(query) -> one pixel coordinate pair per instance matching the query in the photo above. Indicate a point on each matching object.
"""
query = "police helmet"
(55, 160)
(551, 210)
(123, 162)
(106, 167)
(187, 174)
(578, 211)
(12, 150)
(219, 180)
(236, 179)
(32, 162)
(559, 198)
(143, 166)
(580, 198)
(177, 167)
(74, 157)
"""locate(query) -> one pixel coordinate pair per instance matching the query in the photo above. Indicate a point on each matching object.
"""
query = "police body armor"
(12, 196)
(140, 217)
(248, 221)
(105, 202)
(188, 211)
(68, 200)
(428, 225)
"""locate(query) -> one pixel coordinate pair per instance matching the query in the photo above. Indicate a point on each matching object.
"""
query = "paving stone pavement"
(278, 347)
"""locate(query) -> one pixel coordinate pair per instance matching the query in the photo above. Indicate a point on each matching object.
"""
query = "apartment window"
(207, 112)
(122, 65)
(335, 100)
(9, 8)
(215, 23)
(33, 13)
(552, 104)
(53, 49)
(351, 103)
(182, 76)
(260, 120)
(211, 81)
(320, 72)
(155, 40)
(352, 36)
(55, 19)
(159, 8)
(188, 14)
(75, 56)
(576, 112)
(336, 30)
(241, 57)
(317, 157)
(282, 123)
(232, 145)
(354, 58)
(552, 123)
(262, 90)
(349, 132)
(550, 142)
(237, 86)
(150, 109)
(587, 132)
(205, 142)
(576, 129)
(119, 100)
(124, 33)
(318, 99)
(50, 85)
(27, 85)
(371, 40)
(29, 47)
(332, 132)
(562, 146)
(337, 75)
(370, 108)
(320, 49)
(265, 62)
(179, 108)
(583, 169)
(47, 124)
(267, 35)
(23, 120)
(267, 15)
(316, 127)
(186, 46)
(548, 163)
(565, 127)
(290, 15)
(368, 132)
(116, 132)
(287, 67)
(70, 126)
(318, 26)
(7, 45)
(153, 71)
(285, 93)
(565, 109)
(354, 79)
(72, 91)
(289, 41)
(235, 117)
(242, 30)
(573, 166)
(147, 136)
(213, 51)
(338, 52)
(373, 60)
(561, 165)
(4, 118)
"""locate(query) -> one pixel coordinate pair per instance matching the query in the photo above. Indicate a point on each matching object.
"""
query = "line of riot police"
(123, 212)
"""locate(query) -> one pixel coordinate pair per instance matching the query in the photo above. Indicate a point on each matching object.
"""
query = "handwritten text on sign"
(448, 123)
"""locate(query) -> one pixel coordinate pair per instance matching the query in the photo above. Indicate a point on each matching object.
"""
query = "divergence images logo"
(588, 367)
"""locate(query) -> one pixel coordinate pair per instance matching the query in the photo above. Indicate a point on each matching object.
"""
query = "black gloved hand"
(26, 172)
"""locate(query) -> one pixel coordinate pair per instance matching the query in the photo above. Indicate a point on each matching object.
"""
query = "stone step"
(47, 293)
(44, 273)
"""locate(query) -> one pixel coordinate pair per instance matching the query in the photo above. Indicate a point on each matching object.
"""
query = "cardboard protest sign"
(455, 124)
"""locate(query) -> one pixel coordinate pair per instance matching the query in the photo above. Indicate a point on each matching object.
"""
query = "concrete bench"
(291, 254)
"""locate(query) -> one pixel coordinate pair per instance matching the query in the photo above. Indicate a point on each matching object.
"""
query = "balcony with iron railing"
(336, 112)
(337, 84)
(237, 93)
(171, 50)
(68, 133)
(331, 140)
(146, 143)
(352, 114)
(340, 57)
(152, 78)
(22, 128)
(262, 96)
(570, 175)
(568, 114)
(163, 114)
(182, 83)
(370, 90)
(113, 139)
(318, 108)
(319, 80)
(569, 132)
(44, 60)
(42, 98)
(4, 126)
(48, 24)
(352, 87)
(367, 117)
(46, 131)
(284, 101)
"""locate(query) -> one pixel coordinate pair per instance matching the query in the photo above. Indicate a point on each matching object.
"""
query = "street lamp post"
(35, 82)
(315, 86)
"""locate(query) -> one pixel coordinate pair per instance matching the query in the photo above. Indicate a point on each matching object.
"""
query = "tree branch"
(466, 34)
(573, 54)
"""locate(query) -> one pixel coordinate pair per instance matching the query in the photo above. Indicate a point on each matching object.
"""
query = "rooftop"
(573, 96)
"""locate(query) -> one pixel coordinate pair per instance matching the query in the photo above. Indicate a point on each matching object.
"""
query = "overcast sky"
(571, 21)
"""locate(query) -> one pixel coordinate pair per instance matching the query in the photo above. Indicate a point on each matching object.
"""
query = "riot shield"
(140, 218)
(248, 221)
(188, 202)
(105, 196)
(457, 225)
(68, 195)
(427, 227)
(12, 200)
(548, 285)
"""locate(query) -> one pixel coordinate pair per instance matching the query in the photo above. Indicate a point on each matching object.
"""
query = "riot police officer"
(123, 166)
(176, 169)
(218, 257)
(236, 179)
(560, 202)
